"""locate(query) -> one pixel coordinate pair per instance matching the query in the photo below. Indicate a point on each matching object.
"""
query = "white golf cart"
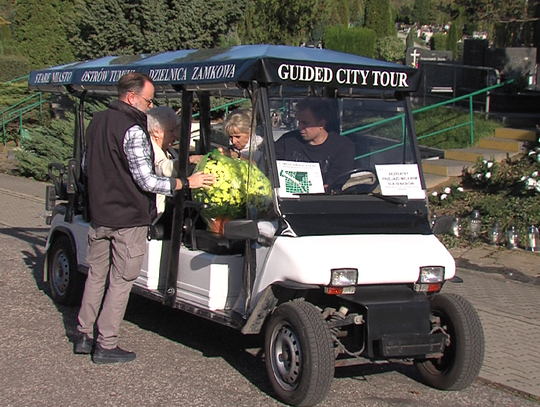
(335, 274)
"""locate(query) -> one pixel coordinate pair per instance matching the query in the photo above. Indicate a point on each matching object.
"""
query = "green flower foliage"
(482, 174)
(447, 196)
(506, 196)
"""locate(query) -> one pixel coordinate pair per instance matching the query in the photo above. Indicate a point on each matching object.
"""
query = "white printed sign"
(400, 179)
(299, 178)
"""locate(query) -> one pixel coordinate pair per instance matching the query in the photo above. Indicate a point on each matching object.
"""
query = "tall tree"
(126, 27)
(379, 18)
(422, 12)
(271, 21)
(343, 12)
(8, 45)
(501, 11)
(147, 24)
(7, 11)
(513, 21)
(100, 28)
(328, 13)
(409, 41)
(454, 35)
(202, 23)
(41, 32)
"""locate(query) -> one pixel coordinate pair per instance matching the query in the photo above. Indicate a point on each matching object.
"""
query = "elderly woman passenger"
(163, 124)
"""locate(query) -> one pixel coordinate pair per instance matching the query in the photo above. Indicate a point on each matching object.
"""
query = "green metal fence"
(16, 112)
(225, 106)
(20, 78)
(401, 117)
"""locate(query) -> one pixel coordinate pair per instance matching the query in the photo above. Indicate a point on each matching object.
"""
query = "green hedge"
(13, 66)
(355, 40)
(391, 49)
(11, 93)
(438, 42)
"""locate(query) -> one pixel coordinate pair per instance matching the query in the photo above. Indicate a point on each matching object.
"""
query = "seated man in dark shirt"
(315, 142)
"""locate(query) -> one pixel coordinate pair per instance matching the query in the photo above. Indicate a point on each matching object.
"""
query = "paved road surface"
(181, 360)
(510, 314)
(186, 361)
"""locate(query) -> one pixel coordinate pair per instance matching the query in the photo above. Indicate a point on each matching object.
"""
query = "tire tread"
(325, 360)
(319, 351)
(470, 347)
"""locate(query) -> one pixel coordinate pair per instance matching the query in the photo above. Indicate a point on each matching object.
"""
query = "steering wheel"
(357, 180)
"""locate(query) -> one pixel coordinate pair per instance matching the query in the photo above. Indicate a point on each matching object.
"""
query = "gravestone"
(443, 80)
(416, 55)
(516, 63)
(474, 54)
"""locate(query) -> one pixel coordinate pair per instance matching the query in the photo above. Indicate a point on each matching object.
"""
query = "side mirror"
(71, 187)
(241, 229)
(442, 225)
(50, 197)
(57, 174)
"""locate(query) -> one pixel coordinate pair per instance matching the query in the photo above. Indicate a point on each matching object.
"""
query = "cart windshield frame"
(261, 73)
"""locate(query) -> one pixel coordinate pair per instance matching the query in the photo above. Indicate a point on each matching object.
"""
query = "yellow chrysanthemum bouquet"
(238, 186)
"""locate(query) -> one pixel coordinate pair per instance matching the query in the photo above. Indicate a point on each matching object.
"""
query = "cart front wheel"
(462, 359)
(299, 354)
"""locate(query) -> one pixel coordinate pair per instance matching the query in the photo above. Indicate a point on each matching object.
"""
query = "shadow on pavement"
(244, 353)
(241, 352)
(35, 257)
(34, 236)
(211, 339)
(361, 372)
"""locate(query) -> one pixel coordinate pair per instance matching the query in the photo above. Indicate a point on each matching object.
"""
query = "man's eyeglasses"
(148, 101)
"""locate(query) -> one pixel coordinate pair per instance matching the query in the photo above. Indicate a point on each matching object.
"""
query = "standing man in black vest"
(121, 189)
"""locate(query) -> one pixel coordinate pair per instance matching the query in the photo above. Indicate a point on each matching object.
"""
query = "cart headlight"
(343, 281)
(431, 274)
(344, 277)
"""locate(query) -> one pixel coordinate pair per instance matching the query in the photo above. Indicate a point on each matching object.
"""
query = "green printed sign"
(296, 182)
(299, 178)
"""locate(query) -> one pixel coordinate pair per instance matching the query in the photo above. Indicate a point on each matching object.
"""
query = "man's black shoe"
(115, 355)
(83, 345)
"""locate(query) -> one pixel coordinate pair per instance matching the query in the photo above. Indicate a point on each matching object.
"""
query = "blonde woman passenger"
(237, 127)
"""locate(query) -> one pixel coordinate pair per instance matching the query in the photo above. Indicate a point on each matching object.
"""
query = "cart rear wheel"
(65, 281)
(462, 360)
(299, 354)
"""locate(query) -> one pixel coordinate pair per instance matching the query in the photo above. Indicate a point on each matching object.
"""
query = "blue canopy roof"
(271, 64)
